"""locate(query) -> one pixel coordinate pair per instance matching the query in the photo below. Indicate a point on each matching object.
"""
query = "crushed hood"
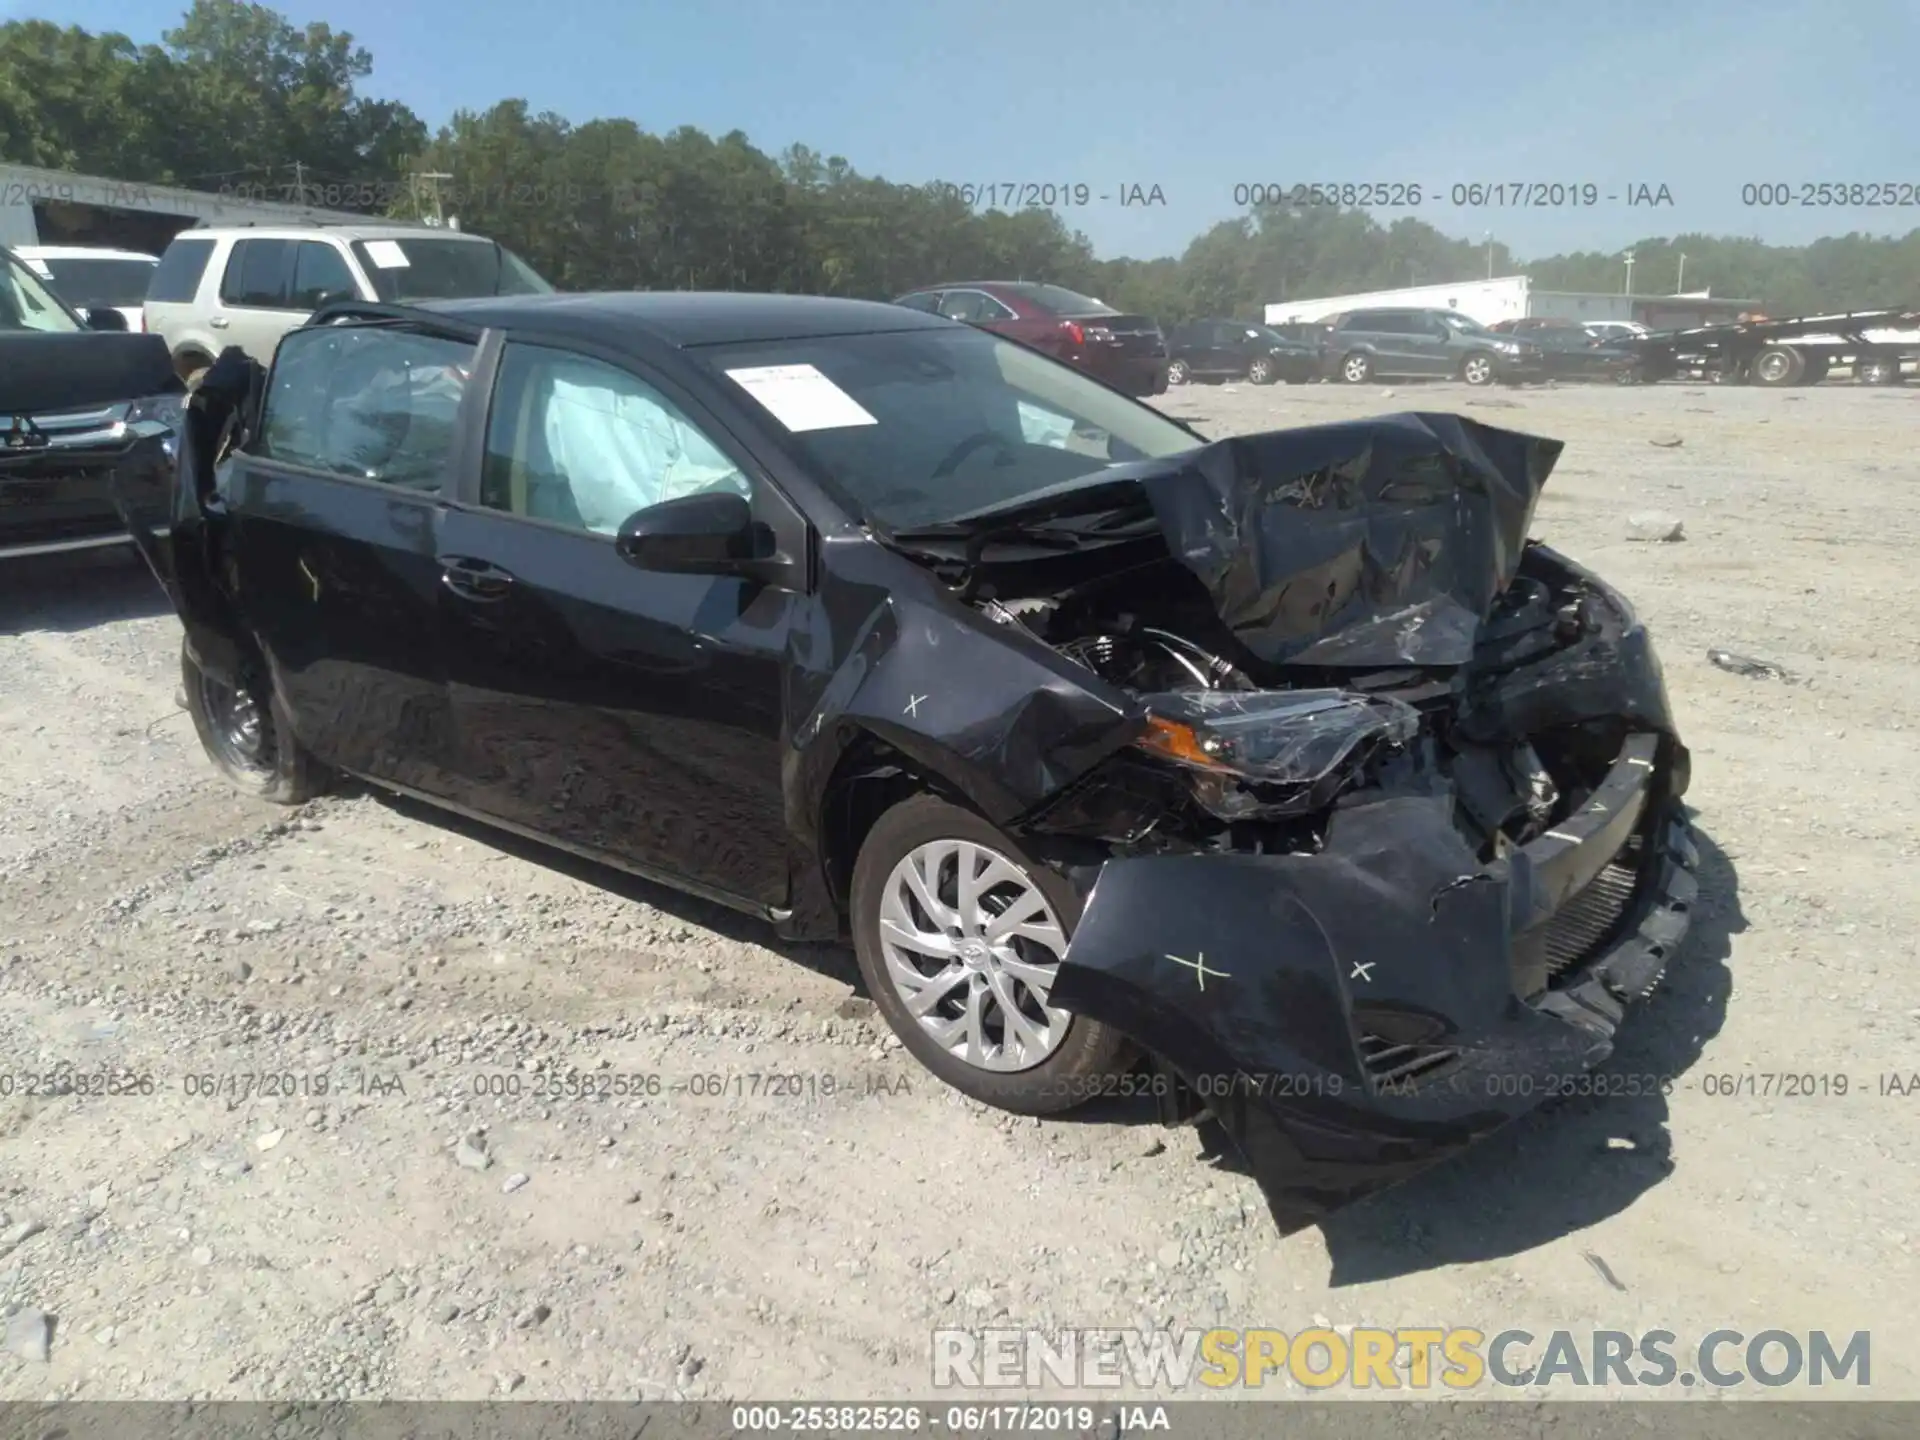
(1368, 543)
(1365, 544)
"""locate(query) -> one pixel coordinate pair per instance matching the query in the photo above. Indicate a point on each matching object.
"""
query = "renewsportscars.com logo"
(1416, 1358)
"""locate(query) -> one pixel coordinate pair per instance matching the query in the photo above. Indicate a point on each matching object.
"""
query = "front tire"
(1356, 369)
(1477, 370)
(1177, 373)
(245, 733)
(959, 934)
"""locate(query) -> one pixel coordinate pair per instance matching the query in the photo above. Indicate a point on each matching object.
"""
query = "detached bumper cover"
(1351, 1017)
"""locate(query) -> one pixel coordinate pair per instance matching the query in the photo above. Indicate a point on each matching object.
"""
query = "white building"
(1513, 297)
(57, 207)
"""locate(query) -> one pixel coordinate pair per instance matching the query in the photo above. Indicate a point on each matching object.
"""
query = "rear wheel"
(1177, 373)
(1477, 369)
(1878, 371)
(243, 729)
(191, 366)
(1778, 365)
(960, 934)
(1356, 369)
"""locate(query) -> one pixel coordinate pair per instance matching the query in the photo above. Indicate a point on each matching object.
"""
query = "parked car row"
(1133, 354)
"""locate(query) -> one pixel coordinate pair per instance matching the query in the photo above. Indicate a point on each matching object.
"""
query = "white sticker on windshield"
(801, 398)
(387, 254)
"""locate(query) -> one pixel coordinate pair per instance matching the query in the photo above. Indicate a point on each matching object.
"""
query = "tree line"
(237, 99)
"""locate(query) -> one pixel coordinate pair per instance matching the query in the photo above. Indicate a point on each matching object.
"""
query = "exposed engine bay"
(1248, 756)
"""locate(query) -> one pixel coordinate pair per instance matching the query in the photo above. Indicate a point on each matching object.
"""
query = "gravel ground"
(360, 1171)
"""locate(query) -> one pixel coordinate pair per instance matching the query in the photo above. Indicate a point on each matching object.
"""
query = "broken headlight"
(1272, 751)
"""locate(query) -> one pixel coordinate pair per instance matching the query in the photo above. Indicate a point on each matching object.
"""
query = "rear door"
(255, 307)
(334, 518)
(628, 714)
(1434, 347)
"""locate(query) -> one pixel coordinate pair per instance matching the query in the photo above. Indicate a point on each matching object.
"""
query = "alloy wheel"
(1260, 372)
(1478, 370)
(972, 946)
(1177, 373)
(1355, 370)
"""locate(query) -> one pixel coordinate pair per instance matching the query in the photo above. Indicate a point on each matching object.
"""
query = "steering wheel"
(972, 443)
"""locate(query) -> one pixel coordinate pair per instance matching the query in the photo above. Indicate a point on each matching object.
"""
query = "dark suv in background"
(1238, 350)
(1127, 352)
(1436, 344)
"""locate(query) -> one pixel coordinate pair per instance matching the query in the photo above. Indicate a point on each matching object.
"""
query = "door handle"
(218, 322)
(474, 579)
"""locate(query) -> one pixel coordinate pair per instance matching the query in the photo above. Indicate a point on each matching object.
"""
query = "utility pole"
(1489, 239)
(1680, 285)
(1628, 257)
(300, 181)
(435, 176)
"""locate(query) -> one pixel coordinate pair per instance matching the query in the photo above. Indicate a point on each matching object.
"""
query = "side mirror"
(105, 317)
(712, 533)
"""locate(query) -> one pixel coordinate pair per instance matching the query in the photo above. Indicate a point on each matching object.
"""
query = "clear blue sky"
(1196, 97)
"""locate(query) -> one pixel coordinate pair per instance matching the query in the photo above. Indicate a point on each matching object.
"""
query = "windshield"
(1464, 324)
(434, 267)
(1060, 301)
(82, 283)
(27, 304)
(947, 421)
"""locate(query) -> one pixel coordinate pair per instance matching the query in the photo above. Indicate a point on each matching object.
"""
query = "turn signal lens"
(1177, 742)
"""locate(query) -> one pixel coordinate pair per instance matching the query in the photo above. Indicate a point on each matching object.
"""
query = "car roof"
(372, 230)
(684, 318)
(80, 252)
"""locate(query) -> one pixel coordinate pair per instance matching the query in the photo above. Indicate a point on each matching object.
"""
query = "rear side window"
(372, 403)
(176, 279)
(256, 276)
(434, 267)
(1058, 300)
(927, 301)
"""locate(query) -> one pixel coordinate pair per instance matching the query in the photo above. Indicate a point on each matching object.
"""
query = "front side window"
(918, 427)
(581, 443)
(27, 304)
(367, 402)
(927, 301)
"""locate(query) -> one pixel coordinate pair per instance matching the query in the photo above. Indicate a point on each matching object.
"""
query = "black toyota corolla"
(1279, 776)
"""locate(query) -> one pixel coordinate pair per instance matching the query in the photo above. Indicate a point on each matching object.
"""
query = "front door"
(334, 513)
(633, 715)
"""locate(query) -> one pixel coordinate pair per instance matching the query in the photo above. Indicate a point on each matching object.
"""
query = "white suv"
(248, 285)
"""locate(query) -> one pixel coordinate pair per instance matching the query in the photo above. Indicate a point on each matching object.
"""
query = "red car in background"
(1127, 352)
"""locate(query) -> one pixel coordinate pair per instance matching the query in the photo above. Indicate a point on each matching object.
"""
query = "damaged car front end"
(1396, 836)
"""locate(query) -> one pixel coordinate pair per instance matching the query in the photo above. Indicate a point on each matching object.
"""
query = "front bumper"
(1354, 1016)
